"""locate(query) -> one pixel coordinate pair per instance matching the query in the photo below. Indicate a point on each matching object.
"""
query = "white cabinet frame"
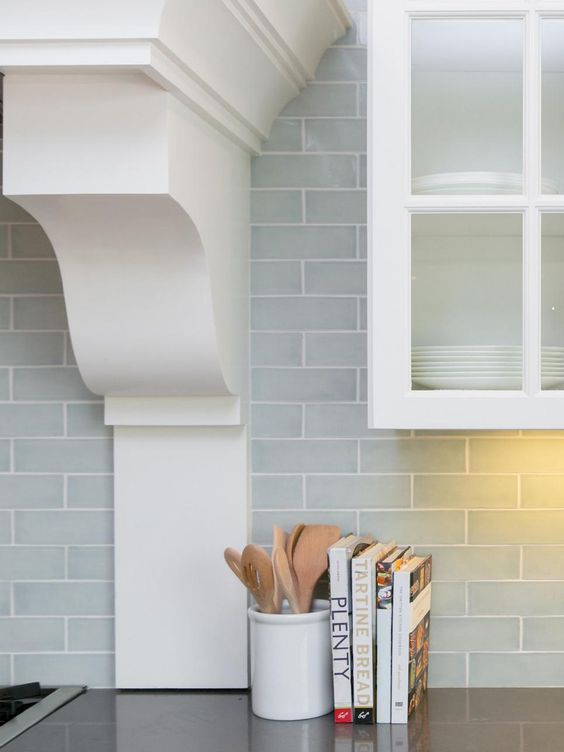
(392, 403)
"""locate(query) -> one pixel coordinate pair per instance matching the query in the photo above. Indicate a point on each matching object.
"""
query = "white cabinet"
(466, 214)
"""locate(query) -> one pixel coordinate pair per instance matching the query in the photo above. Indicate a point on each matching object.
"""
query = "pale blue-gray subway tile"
(31, 491)
(4, 313)
(449, 598)
(11, 212)
(285, 135)
(362, 171)
(411, 527)
(362, 100)
(40, 313)
(63, 598)
(71, 358)
(476, 634)
(271, 349)
(519, 526)
(516, 670)
(29, 348)
(447, 670)
(5, 599)
(363, 314)
(263, 522)
(413, 455)
(30, 277)
(516, 598)
(329, 100)
(91, 562)
(542, 490)
(473, 562)
(34, 635)
(91, 491)
(517, 456)
(62, 526)
(350, 36)
(465, 491)
(276, 278)
(341, 421)
(49, 384)
(64, 455)
(4, 241)
(336, 207)
(302, 314)
(335, 349)
(335, 277)
(543, 562)
(357, 491)
(343, 134)
(30, 241)
(4, 384)
(342, 64)
(31, 420)
(361, 5)
(95, 634)
(303, 456)
(96, 670)
(32, 562)
(87, 420)
(276, 421)
(277, 491)
(362, 242)
(303, 385)
(303, 242)
(543, 633)
(5, 670)
(276, 207)
(4, 455)
(305, 171)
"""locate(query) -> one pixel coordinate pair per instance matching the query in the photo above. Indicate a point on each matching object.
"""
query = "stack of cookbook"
(380, 612)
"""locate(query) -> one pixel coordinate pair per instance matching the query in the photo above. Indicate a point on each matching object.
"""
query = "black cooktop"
(18, 698)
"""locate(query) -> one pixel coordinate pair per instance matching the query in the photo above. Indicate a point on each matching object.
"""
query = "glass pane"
(552, 353)
(466, 301)
(467, 106)
(552, 105)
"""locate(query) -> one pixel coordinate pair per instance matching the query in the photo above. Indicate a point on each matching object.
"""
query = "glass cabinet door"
(467, 106)
(552, 350)
(552, 62)
(466, 301)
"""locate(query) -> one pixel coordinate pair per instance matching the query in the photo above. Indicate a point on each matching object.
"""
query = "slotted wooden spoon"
(310, 559)
(259, 577)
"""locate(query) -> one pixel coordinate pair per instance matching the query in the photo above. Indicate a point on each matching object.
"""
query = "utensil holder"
(291, 664)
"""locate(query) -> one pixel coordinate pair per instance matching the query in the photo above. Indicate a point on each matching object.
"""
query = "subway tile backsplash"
(488, 506)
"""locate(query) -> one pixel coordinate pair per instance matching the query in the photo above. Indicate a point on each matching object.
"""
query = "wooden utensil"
(285, 579)
(310, 559)
(295, 533)
(259, 576)
(233, 559)
(279, 538)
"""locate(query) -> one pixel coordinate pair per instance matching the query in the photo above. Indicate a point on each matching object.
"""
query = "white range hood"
(128, 131)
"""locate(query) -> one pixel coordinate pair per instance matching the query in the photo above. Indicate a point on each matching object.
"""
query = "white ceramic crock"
(291, 664)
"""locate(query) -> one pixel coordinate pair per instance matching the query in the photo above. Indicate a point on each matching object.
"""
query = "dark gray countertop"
(451, 720)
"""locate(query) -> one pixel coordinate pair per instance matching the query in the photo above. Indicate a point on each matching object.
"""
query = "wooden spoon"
(310, 559)
(283, 575)
(259, 576)
(233, 559)
(279, 538)
(291, 542)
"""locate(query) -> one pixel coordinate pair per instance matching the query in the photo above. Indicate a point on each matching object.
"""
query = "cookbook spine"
(362, 569)
(400, 647)
(340, 618)
(384, 601)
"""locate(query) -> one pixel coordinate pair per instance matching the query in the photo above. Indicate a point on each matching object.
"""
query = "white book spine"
(383, 664)
(363, 598)
(400, 647)
(339, 580)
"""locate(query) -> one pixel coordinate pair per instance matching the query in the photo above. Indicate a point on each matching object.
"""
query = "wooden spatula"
(310, 559)
(295, 533)
(279, 538)
(284, 578)
(233, 559)
(259, 576)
